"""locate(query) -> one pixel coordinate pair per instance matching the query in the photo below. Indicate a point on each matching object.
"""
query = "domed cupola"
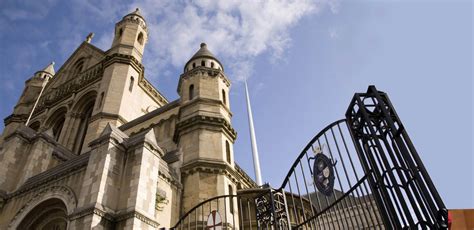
(203, 57)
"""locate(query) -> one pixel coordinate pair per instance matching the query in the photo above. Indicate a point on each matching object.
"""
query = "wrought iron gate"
(361, 172)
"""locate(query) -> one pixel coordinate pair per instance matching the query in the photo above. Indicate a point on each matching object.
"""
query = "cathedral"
(94, 145)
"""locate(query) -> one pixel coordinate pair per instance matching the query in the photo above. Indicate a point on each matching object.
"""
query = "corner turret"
(131, 35)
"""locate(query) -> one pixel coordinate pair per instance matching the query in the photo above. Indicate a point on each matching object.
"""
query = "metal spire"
(256, 162)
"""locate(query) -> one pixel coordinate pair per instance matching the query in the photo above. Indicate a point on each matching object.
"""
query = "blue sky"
(304, 60)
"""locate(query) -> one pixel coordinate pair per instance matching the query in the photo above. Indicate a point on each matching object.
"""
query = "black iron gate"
(402, 187)
(361, 172)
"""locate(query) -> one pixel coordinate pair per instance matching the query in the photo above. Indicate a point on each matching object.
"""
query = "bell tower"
(119, 96)
(131, 34)
(204, 132)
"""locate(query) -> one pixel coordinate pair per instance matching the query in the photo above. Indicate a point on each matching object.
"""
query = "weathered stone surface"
(108, 150)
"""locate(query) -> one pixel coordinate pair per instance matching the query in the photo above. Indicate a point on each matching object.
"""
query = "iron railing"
(361, 172)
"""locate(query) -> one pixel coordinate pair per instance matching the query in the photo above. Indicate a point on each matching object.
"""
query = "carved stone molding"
(212, 167)
(132, 20)
(15, 118)
(112, 217)
(138, 215)
(203, 71)
(206, 121)
(64, 193)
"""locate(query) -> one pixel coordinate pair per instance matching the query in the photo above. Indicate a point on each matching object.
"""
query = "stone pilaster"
(101, 184)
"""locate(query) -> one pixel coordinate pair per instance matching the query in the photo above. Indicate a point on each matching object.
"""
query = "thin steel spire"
(256, 162)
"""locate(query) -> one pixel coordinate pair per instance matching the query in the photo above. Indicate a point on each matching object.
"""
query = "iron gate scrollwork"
(271, 209)
(361, 172)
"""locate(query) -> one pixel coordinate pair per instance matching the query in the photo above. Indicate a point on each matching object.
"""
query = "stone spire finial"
(89, 37)
(50, 69)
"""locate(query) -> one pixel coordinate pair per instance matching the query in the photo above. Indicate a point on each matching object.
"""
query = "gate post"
(403, 190)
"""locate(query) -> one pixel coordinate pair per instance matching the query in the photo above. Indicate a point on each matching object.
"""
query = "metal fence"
(361, 172)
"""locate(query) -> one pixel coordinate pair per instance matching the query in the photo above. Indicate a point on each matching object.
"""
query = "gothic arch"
(64, 194)
(35, 125)
(55, 122)
(83, 101)
(79, 66)
(81, 114)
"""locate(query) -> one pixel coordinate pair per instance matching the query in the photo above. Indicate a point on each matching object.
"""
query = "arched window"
(120, 32)
(191, 92)
(212, 64)
(194, 65)
(130, 87)
(227, 151)
(203, 63)
(224, 99)
(83, 126)
(231, 206)
(140, 38)
(78, 67)
(58, 127)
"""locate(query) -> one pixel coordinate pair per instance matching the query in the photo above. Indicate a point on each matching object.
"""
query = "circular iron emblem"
(323, 174)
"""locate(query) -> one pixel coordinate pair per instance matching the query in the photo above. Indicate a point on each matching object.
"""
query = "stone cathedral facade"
(104, 149)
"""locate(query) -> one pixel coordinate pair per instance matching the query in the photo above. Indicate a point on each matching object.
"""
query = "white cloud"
(27, 10)
(236, 31)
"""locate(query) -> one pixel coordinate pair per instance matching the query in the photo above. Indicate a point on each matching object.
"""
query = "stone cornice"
(113, 217)
(124, 59)
(210, 166)
(244, 176)
(81, 212)
(135, 21)
(20, 118)
(152, 91)
(202, 120)
(137, 215)
(107, 115)
(208, 101)
(200, 71)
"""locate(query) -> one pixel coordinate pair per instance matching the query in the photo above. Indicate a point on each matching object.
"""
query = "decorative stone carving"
(161, 199)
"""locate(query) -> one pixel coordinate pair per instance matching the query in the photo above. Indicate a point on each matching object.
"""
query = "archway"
(49, 208)
(56, 122)
(49, 214)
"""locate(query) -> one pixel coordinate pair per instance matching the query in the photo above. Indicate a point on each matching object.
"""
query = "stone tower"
(131, 34)
(118, 99)
(12, 160)
(106, 150)
(204, 132)
(28, 98)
